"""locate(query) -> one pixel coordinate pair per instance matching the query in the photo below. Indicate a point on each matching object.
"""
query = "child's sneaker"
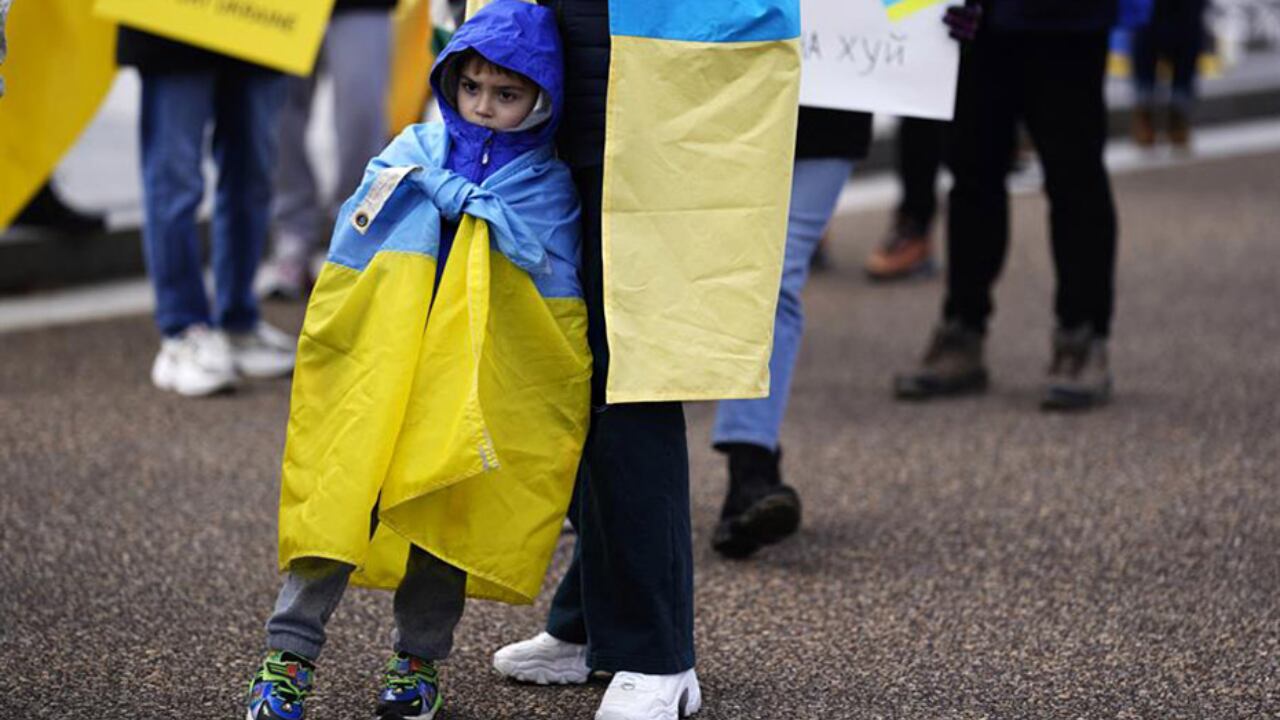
(279, 689)
(411, 689)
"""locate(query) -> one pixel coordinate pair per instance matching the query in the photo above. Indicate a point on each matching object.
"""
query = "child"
(442, 389)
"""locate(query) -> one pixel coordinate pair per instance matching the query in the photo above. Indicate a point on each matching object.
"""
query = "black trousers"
(629, 592)
(921, 150)
(1053, 83)
(1176, 32)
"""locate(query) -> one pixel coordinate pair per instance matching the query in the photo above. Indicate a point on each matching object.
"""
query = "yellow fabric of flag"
(462, 425)
(699, 141)
(60, 65)
(411, 59)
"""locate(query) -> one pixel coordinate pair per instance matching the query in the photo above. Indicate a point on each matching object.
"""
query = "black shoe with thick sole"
(759, 509)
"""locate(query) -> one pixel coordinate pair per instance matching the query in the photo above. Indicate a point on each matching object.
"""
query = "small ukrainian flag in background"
(899, 9)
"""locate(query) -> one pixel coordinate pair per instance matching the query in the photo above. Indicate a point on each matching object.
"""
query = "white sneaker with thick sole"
(263, 352)
(544, 660)
(194, 363)
(636, 696)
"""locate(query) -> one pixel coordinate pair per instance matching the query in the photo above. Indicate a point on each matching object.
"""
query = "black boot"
(759, 509)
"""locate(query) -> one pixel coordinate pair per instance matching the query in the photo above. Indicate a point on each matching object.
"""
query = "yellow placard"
(281, 34)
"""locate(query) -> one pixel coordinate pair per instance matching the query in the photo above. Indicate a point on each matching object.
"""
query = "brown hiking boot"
(905, 253)
(1143, 126)
(1078, 376)
(951, 366)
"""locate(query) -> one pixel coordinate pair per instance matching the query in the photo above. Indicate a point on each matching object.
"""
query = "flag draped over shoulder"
(458, 419)
(699, 144)
(61, 60)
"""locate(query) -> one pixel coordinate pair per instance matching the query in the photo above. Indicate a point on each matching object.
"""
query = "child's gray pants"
(428, 605)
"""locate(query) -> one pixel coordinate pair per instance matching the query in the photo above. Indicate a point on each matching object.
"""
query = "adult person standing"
(759, 508)
(1042, 62)
(356, 55)
(683, 228)
(206, 346)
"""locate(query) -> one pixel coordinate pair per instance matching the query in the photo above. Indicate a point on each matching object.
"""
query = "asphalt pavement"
(972, 558)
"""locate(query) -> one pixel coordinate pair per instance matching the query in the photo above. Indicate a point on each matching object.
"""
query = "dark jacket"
(154, 54)
(584, 27)
(824, 133)
(1051, 15)
(344, 5)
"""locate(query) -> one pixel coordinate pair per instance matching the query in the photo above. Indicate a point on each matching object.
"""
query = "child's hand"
(963, 20)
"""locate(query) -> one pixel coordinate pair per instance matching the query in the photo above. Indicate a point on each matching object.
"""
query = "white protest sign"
(883, 56)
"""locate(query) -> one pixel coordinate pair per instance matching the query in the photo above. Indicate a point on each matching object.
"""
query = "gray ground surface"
(968, 559)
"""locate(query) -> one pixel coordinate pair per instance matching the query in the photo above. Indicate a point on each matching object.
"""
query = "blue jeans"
(176, 109)
(815, 187)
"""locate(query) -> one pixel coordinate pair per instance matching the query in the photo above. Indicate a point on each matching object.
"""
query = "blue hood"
(520, 37)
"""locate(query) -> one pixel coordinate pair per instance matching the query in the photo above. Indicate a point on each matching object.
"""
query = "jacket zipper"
(484, 157)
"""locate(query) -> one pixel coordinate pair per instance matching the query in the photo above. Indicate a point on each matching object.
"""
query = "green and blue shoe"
(279, 689)
(411, 689)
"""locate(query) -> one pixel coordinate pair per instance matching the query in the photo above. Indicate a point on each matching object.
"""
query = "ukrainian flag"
(699, 144)
(899, 9)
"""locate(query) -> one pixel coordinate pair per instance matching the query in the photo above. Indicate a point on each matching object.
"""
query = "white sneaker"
(194, 363)
(635, 696)
(263, 352)
(283, 279)
(545, 660)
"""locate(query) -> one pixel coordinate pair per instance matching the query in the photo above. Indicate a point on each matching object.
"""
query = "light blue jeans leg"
(815, 187)
(246, 107)
(176, 108)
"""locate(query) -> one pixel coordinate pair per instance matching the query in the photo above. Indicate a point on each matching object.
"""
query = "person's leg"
(759, 509)
(1068, 124)
(980, 149)
(244, 146)
(815, 187)
(311, 591)
(1066, 116)
(920, 144)
(566, 620)
(635, 541)
(295, 208)
(983, 141)
(176, 107)
(358, 56)
(1143, 58)
(428, 605)
(1186, 40)
(635, 564)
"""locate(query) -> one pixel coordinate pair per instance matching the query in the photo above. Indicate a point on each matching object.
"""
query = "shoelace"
(404, 673)
(290, 680)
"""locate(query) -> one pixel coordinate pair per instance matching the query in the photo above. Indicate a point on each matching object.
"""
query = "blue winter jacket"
(512, 180)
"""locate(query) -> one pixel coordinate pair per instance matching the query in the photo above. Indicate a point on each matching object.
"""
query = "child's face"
(491, 99)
